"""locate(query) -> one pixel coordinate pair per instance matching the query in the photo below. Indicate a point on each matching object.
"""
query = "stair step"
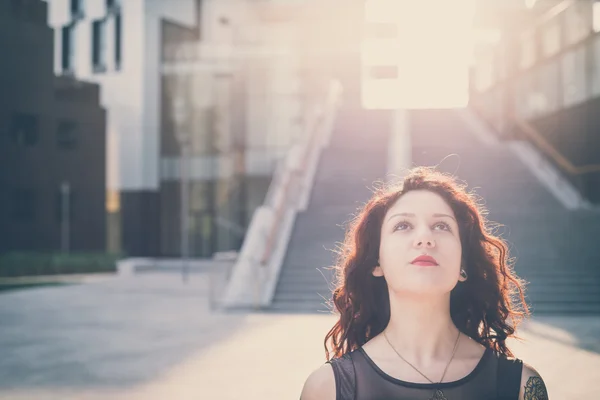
(302, 287)
(567, 297)
(288, 276)
(558, 279)
(571, 308)
(555, 249)
(303, 306)
(563, 290)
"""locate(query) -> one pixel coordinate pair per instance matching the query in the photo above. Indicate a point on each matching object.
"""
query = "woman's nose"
(424, 240)
(430, 243)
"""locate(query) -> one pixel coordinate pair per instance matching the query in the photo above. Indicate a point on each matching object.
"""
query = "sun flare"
(416, 54)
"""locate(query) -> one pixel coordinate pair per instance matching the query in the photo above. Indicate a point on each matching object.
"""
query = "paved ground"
(150, 337)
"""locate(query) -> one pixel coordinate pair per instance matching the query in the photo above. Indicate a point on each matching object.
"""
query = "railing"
(552, 152)
(563, 88)
(291, 183)
(572, 180)
(255, 273)
(538, 139)
(545, 75)
(294, 179)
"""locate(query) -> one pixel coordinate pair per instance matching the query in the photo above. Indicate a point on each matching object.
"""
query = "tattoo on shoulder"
(535, 389)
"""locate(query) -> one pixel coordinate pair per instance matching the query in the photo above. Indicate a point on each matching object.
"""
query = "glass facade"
(528, 49)
(558, 65)
(573, 77)
(553, 84)
(595, 66)
(550, 37)
(211, 114)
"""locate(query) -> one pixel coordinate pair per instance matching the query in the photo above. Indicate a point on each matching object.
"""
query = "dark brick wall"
(52, 130)
(140, 223)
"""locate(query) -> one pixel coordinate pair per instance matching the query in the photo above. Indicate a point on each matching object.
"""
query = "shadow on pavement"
(113, 334)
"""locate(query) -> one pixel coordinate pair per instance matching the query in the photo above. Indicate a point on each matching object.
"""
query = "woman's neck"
(421, 329)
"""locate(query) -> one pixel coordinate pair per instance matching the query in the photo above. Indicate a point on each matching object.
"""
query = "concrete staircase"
(556, 249)
(347, 169)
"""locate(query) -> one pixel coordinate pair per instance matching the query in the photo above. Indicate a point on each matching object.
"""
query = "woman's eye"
(443, 225)
(401, 226)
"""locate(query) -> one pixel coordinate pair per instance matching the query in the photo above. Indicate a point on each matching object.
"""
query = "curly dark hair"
(481, 307)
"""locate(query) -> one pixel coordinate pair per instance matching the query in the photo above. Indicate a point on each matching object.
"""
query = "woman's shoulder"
(532, 384)
(320, 384)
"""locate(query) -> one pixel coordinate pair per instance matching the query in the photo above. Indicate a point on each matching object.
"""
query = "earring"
(463, 274)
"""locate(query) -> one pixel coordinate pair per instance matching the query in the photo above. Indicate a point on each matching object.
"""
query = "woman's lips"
(425, 264)
(424, 261)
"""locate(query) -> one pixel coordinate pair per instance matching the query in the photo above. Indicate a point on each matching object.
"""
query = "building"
(241, 123)
(541, 83)
(117, 45)
(52, 143)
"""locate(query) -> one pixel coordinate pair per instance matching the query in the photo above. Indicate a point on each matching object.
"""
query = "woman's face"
(420, 223)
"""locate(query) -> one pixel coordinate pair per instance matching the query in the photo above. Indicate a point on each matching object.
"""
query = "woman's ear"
(378, 271)
(463, 276)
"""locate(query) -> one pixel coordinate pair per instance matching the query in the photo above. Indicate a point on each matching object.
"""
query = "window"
(484, 69)
(499, 60)
(551, 37)
(66, 135)
(24, 130)
(113, 5)
(536, 101)
(68, 48)
(23, 204)
(523, 89)
(573, 76)
(578, 21)
(596, 16)
(76, 9)
(550, 86)
(596, 67)
(527, 49)
(99, 45)
(118, 41)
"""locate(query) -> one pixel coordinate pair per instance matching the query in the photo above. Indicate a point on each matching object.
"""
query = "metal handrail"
(275, 228)
(561, 160)
(255, 268)
(545, 146)
(297, 174)
(526, 127)
(280, 208)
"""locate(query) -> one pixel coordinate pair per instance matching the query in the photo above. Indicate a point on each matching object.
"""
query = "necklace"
(438, 394)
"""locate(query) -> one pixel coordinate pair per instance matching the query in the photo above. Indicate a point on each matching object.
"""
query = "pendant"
(438, 395)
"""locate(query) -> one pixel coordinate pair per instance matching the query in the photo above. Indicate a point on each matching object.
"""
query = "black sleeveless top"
(357, 377)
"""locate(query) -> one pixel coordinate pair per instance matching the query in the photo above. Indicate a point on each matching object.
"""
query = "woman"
(425, 297)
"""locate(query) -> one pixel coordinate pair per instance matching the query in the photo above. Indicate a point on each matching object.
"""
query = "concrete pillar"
(400, 147)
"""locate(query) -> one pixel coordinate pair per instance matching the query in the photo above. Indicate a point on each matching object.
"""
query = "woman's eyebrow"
(413, 215)
(444, 215)
(401, 215)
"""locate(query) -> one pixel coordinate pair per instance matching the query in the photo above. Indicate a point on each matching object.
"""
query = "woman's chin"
(432, 286)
